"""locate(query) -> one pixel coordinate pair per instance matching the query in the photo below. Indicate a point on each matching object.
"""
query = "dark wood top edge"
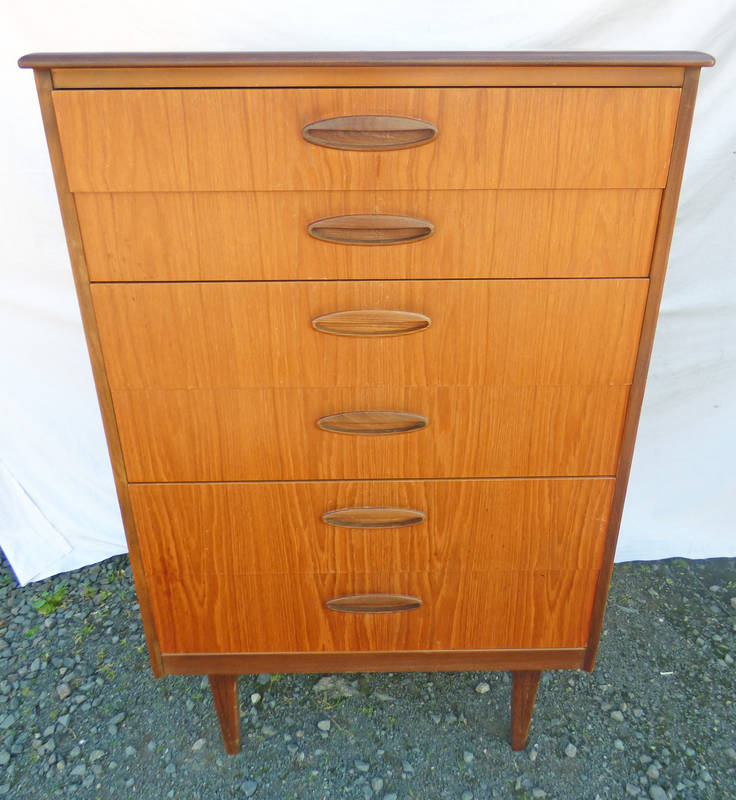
(664, 58)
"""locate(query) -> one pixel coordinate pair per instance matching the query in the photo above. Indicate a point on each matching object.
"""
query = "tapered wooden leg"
(225, 694)
(523, 694)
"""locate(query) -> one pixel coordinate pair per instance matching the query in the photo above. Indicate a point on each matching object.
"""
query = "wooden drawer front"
(271, 434)
(263, 235)
(248, 335)
(240, 139)
(208, 613)
(279, 527)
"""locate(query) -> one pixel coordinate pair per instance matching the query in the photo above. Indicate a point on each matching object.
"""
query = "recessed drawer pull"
(374, 603)
(373, 517)
(373, 423)
(371, 322)
(369, 132)
(371, 229)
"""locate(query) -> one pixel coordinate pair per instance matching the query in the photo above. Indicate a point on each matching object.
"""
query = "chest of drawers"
(370, 335)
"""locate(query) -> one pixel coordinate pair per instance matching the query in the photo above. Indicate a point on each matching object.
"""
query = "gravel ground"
(81, 717)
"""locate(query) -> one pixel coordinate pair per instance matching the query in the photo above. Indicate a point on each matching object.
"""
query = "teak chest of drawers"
(370, 335)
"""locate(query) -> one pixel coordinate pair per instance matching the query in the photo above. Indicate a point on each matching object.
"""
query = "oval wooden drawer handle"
(371, 229)
(374, 603)
(371, 322)
(373, 517)
(369, 132)
(373, 423)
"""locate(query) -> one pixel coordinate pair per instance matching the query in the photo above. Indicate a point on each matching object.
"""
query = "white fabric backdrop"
(58, 508)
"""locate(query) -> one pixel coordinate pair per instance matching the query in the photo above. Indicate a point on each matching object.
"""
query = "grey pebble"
(4, 757)
(361, 766)
(617, 716)
(5, 788)
(468, 757)
(571, 751)
(731, 753)
(632, 790)
(407, 767)
(652, 772)
(539, 794)
(269, 730)
(466, 795)
(79, 770)
(657, 793)
(390, 796)
(733, 602)
(249, 788)
(129, 751)
(482, 687)
(262, 680)
(618, 744)
(198, 745)
(324, 725)
(63, 690)
(96, 755)
(377, 785)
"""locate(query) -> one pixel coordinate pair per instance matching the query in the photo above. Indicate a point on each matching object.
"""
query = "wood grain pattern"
(277, 527)
(256, 612)
(447, 75)
(659, 268)
(263, 235)
(523, 695)
(270, 434)
(251, 335)
(435, 58)
(81, 283)
(225, 696)
(215, 139)
(375, 661)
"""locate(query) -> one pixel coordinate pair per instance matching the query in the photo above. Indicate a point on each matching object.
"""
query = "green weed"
(48, 602)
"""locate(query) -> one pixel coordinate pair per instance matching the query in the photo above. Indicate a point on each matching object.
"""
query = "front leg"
(225, 694)
(523, 694)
